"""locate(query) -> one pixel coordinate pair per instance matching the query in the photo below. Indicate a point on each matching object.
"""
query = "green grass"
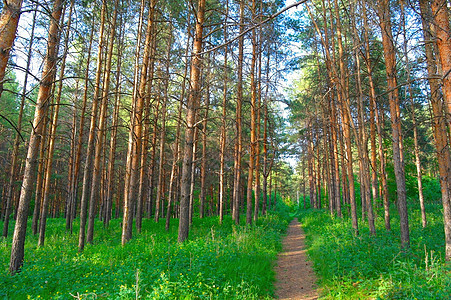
(365, 267)
(217, 262)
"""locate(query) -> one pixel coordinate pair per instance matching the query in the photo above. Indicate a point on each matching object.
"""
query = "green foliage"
(220, 262)
(360, 267)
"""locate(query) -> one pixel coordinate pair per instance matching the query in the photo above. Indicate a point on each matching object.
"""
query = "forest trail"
(295, 278)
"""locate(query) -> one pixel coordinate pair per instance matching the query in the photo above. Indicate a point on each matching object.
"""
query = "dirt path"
(295, 278)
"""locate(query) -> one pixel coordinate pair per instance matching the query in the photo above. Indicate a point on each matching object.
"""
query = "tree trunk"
(398, 157)
(413, 115)
(239, 100)
(203, 167)
(97, 168)
(161, 178)
(15, 152)
(87, 172)
(439, 126)
(253, 109)
(192, 106)
(42, 104)
(135, 136)
(52, 135)
(9, 19)
(73, 181)
(143, 188)
(257, 121)
(193, 172)
(443, 40)
(223, 136)
(177, 149)
(113, 137)
(39, 179)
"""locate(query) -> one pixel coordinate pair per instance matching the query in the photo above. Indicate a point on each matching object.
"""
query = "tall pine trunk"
(15, 152)
(52, 135)
(192, 106)
(439, 125)
(135, 136)
(87, 172)
(395, 114)
(42, 104)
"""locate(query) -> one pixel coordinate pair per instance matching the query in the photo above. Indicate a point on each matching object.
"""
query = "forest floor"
(295, 278)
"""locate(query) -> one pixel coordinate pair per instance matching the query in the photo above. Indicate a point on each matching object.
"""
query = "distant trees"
(356, 84)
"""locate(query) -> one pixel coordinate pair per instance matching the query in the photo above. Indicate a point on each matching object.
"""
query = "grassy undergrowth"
(365, 267)
(219, 262)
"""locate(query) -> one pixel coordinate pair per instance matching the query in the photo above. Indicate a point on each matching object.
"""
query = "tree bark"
(135, 136)
(253, 109)
(239, 100)
(223, 136)
(73, 180)
(413, 115)
(97, 168)
(192, 106)
(439, 125)
(42, 104)
(398, 157)
(161, 178)
(9, 19)
(52, 135)
(87, 172)
(113, 138)
(203, 167)
(15, 152)
(443, 41)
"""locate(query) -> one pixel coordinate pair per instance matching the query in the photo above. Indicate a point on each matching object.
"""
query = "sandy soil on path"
(295, 278)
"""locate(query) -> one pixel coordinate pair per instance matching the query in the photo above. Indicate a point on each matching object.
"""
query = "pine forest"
(225, 149)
